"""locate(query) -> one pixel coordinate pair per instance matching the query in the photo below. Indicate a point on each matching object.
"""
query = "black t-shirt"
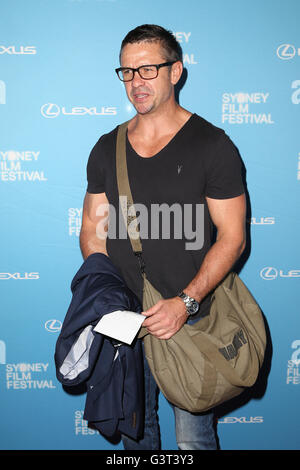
(199, 161)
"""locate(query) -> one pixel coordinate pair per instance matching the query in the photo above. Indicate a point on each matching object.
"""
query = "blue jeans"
(193, 431)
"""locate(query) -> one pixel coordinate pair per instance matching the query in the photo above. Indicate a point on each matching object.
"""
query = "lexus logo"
(286, 51)
(53, 326)
(269, 273)
(19, 276)
(50, 110)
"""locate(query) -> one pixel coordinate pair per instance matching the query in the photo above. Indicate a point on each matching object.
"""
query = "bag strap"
(125, 196)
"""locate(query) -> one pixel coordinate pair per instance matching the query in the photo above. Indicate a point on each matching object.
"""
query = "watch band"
(192, 306)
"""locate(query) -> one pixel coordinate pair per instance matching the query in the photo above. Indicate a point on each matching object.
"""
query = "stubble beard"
(143, 108)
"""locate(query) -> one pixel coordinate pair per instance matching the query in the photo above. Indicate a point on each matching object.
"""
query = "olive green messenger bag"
(216, 358)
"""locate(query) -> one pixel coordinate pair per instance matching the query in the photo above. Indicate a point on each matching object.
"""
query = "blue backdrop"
(58, 94)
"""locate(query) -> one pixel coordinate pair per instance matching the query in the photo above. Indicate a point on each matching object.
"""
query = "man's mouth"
(140, 96)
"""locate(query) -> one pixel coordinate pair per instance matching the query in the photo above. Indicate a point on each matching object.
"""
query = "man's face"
(147, 95)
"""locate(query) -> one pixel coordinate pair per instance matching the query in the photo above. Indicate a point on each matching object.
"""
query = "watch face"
(193, 308)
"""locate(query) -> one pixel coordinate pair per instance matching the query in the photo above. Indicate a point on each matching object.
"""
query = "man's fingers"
(152, 320)
(162, 333)
(153, 309)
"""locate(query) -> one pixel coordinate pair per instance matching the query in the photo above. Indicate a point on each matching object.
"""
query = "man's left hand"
(165, 318)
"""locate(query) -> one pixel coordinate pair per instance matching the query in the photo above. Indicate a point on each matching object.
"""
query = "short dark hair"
(154, 33)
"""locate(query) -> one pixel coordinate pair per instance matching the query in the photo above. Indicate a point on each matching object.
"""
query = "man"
(173, 157)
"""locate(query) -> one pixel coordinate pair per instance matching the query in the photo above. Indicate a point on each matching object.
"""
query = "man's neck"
(166, 121)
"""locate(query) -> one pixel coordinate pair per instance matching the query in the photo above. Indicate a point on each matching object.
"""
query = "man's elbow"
(242, 248)
(83, 243)
(241, 245)
(91, 242)
(236, 244)
(234, 240)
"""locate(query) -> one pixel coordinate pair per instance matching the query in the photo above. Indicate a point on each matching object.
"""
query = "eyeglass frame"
(157, 66)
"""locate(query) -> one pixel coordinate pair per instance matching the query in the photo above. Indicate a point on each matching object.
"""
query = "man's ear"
(176, 72)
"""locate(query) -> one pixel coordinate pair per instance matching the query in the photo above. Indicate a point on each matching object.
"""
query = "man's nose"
(137, 79)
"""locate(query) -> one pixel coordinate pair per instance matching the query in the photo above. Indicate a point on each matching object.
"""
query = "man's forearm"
(217, 263)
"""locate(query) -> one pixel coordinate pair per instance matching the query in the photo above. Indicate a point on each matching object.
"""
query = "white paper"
(122, 325)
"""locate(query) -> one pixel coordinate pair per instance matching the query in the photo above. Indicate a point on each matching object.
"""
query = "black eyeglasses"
(146, 72)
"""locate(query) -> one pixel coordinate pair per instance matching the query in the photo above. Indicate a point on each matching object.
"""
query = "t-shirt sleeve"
(95, 170)
(224, 171)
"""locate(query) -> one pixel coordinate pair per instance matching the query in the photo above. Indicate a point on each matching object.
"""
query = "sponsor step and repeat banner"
(58, 94)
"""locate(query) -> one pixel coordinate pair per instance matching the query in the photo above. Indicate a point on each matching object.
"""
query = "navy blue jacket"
(113, 373)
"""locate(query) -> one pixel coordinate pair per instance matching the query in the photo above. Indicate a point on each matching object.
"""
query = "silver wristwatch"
(192, 306)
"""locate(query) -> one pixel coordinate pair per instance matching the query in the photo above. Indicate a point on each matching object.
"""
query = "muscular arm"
(167, 316)
(228, 216)
(94, 224)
